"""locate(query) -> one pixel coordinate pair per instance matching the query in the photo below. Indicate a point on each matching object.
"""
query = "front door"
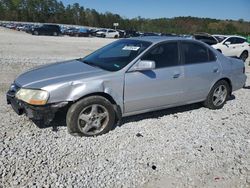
(151, 89)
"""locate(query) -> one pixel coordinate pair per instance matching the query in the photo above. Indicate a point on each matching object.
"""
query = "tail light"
(244, 70)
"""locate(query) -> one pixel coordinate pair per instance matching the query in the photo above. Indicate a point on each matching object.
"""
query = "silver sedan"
(127, 77)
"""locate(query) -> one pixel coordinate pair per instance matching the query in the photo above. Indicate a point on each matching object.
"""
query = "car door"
(152, 89)
(201, 70)
(231, 48)
(44, 30)
(110, 34)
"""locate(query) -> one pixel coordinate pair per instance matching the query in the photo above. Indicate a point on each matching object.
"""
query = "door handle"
(176, 75)
(216, 70)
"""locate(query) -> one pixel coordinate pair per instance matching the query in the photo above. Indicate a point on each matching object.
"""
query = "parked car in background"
(232, 45)
(205, 37)
(127, 77)
(131, 33)
(47, 29)
(149, 34)
(229, 45)
(107, 33)
(121, 33)
(78, 32)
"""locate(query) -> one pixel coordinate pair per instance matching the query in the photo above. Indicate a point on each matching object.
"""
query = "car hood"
(57, 73)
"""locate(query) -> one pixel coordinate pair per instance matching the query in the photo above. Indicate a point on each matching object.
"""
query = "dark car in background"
(79, 32)
(47, 29)
(205, 37)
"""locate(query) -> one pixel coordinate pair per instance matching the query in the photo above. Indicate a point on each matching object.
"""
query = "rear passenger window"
(211, 56)
(164, 55)
(240, 40)
(195, 53)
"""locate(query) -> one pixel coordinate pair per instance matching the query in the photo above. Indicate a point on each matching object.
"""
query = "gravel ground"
(188, 146)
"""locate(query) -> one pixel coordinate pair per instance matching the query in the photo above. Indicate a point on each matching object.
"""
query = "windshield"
(220, 38)
(116, 55)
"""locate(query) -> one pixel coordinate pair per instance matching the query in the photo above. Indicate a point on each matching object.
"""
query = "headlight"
(31, 96)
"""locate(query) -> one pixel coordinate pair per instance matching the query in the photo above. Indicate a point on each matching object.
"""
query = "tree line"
(53, 11)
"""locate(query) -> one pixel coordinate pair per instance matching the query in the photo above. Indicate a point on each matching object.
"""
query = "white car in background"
(232, 45)
(107, 33)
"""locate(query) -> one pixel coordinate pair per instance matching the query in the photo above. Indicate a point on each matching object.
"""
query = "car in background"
(229, 45)
(124, 78)
(78, 32)
(107, 33)
(232, 45)
(47, 29)
(205, 37)
(147, 34)
(131, 33)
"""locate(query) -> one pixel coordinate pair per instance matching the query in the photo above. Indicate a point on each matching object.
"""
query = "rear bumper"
(45, 113)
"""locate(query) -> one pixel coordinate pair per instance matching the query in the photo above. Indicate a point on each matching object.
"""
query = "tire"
(36, 33)
(116, 36)
(214, 94)
(244, 56)
(55, 34)
(91, 116)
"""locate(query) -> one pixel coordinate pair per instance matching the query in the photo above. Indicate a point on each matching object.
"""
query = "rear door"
(156, 88)
(200, 70)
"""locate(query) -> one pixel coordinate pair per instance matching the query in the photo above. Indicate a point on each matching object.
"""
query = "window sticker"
(131, 48)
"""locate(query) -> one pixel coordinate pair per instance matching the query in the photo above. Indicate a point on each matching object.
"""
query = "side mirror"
(227, 43)
(143, 65)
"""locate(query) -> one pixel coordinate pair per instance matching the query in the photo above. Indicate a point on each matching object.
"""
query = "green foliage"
(54, 11)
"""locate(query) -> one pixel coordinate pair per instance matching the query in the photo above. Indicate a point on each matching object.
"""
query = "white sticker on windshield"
(132, 48)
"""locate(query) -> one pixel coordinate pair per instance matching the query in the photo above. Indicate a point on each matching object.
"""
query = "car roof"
(157, 39)
(229, 36)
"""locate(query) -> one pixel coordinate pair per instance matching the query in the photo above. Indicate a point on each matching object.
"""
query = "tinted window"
(240, 40)
(211, 56)
(232, 40)
(194, 53)
(164, 55)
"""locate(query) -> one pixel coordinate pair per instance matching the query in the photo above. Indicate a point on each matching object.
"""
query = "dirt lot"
(188, 146)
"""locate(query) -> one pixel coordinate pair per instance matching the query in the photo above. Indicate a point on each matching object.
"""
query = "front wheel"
(90, 116)
(218, 95)
(36, 33)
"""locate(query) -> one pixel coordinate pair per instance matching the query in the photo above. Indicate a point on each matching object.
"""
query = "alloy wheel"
(93, 119)
(219, 95)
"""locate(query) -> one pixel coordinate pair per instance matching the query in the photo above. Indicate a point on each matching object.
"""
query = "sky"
(219, 9)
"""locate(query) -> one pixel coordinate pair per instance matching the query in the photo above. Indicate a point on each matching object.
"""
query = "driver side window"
(231, 40)
(164, 55)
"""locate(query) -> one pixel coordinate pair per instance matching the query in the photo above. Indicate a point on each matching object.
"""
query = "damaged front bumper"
(45, 113)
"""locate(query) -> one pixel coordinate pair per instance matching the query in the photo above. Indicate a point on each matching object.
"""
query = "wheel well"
(244, 52)
(219, 50)
(229, 83)
(117, 108)
(105, 95)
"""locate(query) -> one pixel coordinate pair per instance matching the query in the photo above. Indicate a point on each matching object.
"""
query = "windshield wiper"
(90, 63)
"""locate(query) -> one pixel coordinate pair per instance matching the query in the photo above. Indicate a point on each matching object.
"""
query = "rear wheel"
(116, 36)
(218, 95)
(36, 33)
(55, 34)
(244, 56)
(90, 116)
